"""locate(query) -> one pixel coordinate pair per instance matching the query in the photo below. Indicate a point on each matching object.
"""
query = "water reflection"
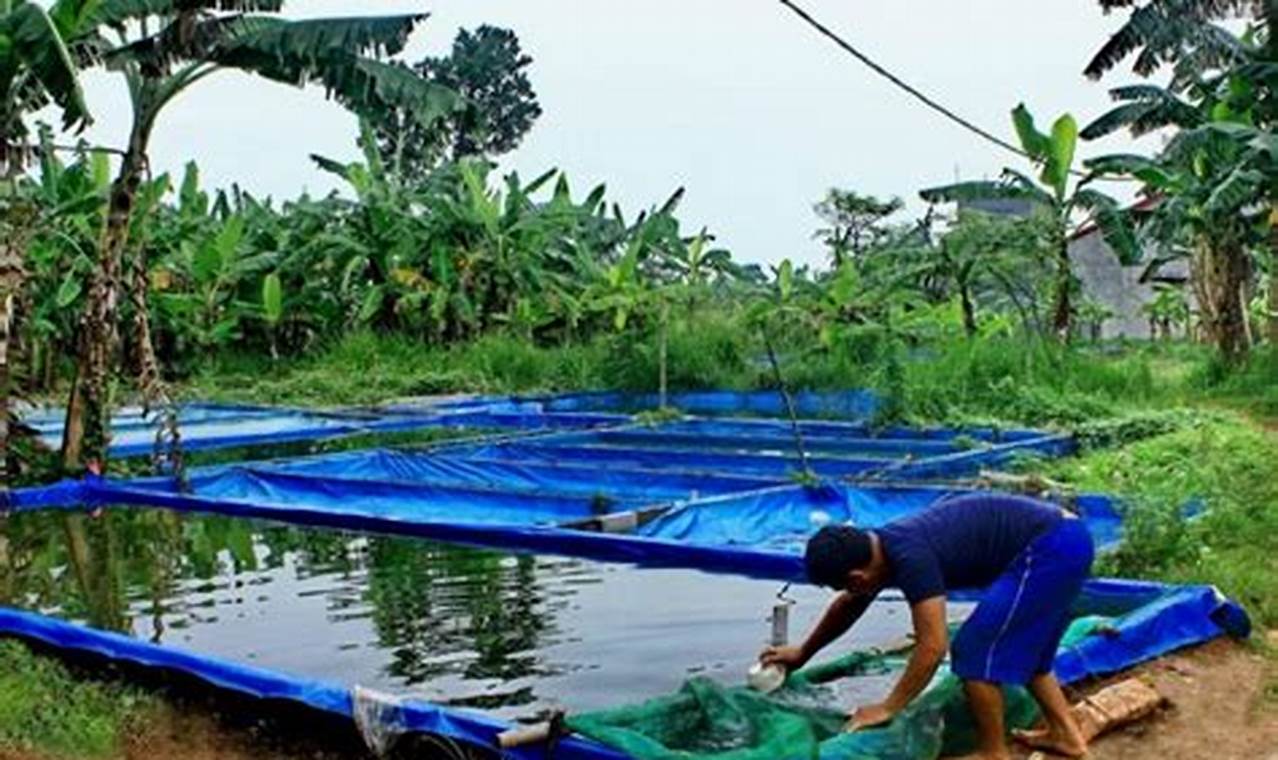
(511, 634)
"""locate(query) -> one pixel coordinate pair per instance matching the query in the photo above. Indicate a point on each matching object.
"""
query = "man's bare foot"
(1053, 741)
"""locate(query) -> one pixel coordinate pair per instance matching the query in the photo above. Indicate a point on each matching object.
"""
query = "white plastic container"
(765, 678)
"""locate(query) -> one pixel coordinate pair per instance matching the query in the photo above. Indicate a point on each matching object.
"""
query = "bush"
(710, 352)
(1222, 462)
(43, 707)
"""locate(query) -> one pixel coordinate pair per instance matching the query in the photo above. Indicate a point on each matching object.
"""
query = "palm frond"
(331, 166)
(1035, 143)
(1241, 187)
(258, 41)
(1143, 168)
(82, 16)
(1145, 108)
(1162, 30)
(322, 51)
(41, 50)
(1115, 224)
(321, 39)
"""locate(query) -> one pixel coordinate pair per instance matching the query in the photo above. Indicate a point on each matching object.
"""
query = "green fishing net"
(705, 720)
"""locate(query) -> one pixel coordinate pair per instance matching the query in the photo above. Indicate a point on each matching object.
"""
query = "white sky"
(735, 99)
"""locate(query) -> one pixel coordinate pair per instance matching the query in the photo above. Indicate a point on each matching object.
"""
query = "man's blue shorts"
(1013, 634)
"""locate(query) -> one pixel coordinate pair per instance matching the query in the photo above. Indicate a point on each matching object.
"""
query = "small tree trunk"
(969, 310)
(1272, 306)
(155, 394)
(78, 552)
(1063, 311)
(12, 275)
(87, 425)
(663, 354)
(1219, 269)
(1244, 300)
(6, 320)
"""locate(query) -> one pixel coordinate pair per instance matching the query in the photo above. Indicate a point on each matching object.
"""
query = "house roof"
(1148, 203)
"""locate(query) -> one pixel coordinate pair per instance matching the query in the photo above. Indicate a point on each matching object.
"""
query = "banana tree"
(1055, 196)
(1212, 183)
(1168, 308)
(36, 69)
(970, 261)
(1217, 76)
(72, 201)
(163, 47)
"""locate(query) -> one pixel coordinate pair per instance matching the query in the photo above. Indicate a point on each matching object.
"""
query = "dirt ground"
(1222, 705)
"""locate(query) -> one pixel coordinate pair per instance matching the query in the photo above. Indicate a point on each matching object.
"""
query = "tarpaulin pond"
(605, 566)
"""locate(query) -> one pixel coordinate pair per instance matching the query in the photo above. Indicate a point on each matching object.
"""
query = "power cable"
(915, 92)
(894, 79)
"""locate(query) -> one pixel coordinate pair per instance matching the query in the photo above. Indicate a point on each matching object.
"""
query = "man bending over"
(1032, 556)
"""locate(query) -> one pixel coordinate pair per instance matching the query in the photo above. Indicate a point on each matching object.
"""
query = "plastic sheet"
(850, 405)
(783, 518)
(718, 490)
(411, 715)
(423, 467)
(766, 465)
(219, 426)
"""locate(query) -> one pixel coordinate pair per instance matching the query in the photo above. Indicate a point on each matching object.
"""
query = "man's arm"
(843, 611)
(931, 640)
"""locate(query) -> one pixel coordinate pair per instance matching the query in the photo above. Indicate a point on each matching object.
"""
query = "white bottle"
(765, 678)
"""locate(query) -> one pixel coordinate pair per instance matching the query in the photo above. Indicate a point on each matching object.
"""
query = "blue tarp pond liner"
(838, 449)
(706, 494)
(768, 449)
(1148, 620)
(845, 405)
(206, 426)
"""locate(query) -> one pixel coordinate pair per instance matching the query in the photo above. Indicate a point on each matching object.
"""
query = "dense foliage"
(487, 68)
(427, 246)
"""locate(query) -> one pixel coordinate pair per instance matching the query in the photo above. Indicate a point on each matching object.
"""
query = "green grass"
(1253, 387)
(44, 707)
(366, 368)
(1229, 464)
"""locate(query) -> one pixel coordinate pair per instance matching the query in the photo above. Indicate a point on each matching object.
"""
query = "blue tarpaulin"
(707, 494)
(847, 405)
(219, 426)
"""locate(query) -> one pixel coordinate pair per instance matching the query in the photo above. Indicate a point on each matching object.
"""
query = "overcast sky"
(735, 99)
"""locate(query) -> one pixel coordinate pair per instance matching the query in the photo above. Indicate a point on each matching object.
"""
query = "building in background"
(1126, 292)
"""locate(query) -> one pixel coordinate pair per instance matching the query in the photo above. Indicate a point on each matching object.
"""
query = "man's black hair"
(835, 551)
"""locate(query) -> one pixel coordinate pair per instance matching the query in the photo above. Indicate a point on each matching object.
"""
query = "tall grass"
(985, 379)
(1227, 465)
(1253, 386)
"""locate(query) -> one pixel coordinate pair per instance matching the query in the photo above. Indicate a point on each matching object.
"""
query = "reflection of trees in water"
(438, 609)
(99, 568)
(447, 609)
(85, 566)
(312, 551)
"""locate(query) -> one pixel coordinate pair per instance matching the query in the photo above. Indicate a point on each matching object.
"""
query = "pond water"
(513, 635)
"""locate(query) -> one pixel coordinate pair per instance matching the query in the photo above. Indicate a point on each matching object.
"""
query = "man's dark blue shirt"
(962, 543)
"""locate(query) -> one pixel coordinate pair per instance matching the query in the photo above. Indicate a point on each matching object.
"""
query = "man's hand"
(788, 658)
(869, 716)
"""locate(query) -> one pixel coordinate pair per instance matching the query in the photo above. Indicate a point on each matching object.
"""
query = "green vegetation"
(1226, 467)
(44, 707)
(430, 274)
